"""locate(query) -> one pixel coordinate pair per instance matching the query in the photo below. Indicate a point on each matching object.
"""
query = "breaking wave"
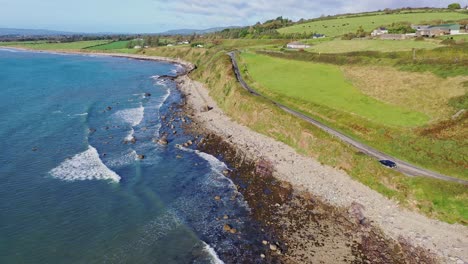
(132, 116)
(214, 257)
(84, 166)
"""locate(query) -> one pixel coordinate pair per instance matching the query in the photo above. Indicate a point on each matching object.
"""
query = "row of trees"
(268, 29)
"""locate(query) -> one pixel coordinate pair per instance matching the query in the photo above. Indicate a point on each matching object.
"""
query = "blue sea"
(72, 188)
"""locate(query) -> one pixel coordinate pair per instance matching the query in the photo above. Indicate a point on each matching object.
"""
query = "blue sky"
(161, 15)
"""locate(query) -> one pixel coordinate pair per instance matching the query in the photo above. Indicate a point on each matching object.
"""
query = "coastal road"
(402, 166)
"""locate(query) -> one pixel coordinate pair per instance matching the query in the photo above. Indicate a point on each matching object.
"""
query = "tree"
(454, 6)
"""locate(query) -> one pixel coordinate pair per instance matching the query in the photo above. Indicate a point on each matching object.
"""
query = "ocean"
(73, 189)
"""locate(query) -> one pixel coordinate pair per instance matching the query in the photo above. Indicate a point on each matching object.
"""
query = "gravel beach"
(447, 242)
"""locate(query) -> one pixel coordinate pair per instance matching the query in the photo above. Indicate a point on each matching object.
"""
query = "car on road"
(388, 163)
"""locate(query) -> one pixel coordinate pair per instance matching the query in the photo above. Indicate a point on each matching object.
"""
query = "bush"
(454, 6)
(449, 41)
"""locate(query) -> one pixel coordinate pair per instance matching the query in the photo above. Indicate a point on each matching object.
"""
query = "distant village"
(421, 31)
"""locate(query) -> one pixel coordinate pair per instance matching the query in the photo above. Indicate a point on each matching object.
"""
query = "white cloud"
(198, 14)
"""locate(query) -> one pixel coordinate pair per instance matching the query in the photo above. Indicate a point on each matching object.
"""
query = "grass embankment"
(322, 91)
(43, 45)
(340, 26)
(438, 199)
(344, 46)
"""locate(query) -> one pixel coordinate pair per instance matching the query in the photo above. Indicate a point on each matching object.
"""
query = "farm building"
(316, 36)
(297, 45)
(393, 36)
(439, 30)
(379, 31)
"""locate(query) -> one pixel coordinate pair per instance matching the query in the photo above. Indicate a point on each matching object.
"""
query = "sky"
(152, 16)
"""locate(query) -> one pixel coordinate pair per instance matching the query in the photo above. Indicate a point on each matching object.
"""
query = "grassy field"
(41, 45)
(421, 92)
(111, 46)
(380, 120)
(437, 199)
(325, 85)
(340, 26)
(343, 46)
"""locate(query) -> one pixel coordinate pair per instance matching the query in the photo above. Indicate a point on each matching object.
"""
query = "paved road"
(402, 166)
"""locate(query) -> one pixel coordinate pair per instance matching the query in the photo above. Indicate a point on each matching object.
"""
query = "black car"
(388, 163)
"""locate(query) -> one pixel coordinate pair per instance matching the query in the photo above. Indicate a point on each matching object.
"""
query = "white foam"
(9, 50)
(214, 257)
(132, 116)
(84, 166)
(130, 135)
(217, 178)
(155, 77)
(83, 114)
(123, 160)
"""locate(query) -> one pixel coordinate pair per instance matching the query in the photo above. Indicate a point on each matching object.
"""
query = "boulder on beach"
(206, 108)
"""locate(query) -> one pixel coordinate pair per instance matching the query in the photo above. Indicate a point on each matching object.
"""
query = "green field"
(342, 46)
(111, 46)
(41, 45)
(325, 85)
(341, 26)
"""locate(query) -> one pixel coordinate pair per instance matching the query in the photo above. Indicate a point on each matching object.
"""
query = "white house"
(379, 31)
(297, 45)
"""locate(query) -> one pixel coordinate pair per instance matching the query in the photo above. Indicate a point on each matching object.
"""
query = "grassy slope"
(40, 45)
(337, 27)
(325, 85)
(342, 46)
(442, 200)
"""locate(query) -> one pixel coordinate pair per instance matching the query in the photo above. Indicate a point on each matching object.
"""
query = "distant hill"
(192, 31)
(336, 26)
(31, 32)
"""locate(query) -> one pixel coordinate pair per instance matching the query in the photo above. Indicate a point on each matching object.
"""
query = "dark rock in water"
(108, 108)
(92, 130)
(34, 149)
(147, 94)
(163, 141)
(227, 228)
(141, 156)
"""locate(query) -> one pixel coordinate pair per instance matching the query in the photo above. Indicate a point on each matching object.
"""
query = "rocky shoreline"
(299, 227)
(318, 213)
